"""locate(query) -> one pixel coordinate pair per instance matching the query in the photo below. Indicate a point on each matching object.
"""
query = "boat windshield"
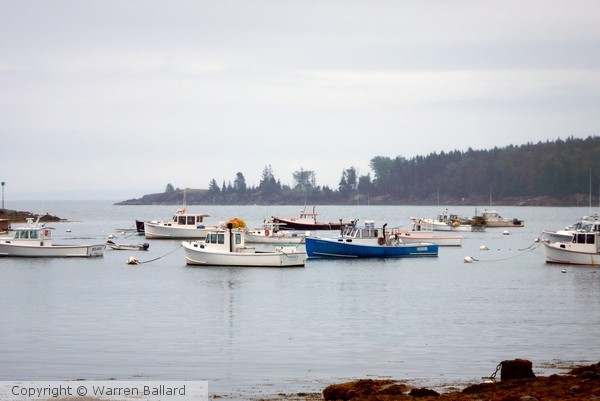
(360, 232)
(582, 238)
(26, 234)
(215, 238)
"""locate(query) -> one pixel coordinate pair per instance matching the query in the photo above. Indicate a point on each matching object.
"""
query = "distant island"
(552, 173)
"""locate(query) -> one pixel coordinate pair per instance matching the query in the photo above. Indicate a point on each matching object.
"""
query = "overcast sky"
(115, 99)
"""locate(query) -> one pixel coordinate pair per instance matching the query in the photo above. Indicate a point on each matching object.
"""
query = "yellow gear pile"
(237, 223)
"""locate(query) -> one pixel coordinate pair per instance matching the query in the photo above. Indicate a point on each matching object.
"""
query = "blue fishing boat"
(366, 242)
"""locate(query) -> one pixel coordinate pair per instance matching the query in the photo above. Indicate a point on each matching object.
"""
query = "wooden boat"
(183, 225)
(308, 222)
(584, 250)
(492, 218)
(366, 242)
(226, 247)
(270, 233)
(127, 247)
(35, 241)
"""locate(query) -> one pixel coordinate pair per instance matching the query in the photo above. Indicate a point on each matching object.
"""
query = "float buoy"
(133, 261)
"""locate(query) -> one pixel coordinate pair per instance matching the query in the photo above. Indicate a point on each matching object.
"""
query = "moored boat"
(366, 242)
(35, 241)
(127, 247)
(226, 247)
(423, 232)
(583, 250)
(308, 222)
(183, 225)
(492, 218)
(445, 222)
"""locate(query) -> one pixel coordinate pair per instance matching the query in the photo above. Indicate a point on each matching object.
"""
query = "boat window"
(22, 234)
(181, 220)
(590, 238)
(213, 238)
(190, 220)
(33, 234)
(198, 219)
(238, 238)
(580, 239)
(221, 238)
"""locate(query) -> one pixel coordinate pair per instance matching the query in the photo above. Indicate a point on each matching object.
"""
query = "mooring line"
(528, 249)
(133, 261)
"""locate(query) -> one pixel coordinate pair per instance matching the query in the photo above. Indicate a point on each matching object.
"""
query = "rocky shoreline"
(518, 383)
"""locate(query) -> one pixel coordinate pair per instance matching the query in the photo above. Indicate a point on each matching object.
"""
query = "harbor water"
(255, 332)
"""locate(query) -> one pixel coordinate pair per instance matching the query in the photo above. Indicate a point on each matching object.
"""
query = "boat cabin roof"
(589, 227)
(490, 213)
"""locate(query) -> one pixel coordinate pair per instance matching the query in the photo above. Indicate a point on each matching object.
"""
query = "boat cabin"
(182, 218)
(31, 232)
(359, 232)
(225, 241)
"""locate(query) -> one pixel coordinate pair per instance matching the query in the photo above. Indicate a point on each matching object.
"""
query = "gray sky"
(115, 99)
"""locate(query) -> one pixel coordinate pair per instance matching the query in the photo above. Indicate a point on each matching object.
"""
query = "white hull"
(274, 239)
(60, 251)
(439, 226)
(161, 231)
(195, 254)
(412, 237)
(565, 253)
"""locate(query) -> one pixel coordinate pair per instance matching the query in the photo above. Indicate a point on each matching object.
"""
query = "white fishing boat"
(583, 250)
(35, 241)
(226, 247)
(183, 225)
(269, 233)
(423, 232)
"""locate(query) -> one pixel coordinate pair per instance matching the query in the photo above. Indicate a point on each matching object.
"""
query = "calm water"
(252, 332)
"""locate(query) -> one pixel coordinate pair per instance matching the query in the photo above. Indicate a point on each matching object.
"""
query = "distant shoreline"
(15, 216)
(175, 198)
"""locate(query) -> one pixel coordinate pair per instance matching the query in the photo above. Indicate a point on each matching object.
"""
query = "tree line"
(551, 170)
